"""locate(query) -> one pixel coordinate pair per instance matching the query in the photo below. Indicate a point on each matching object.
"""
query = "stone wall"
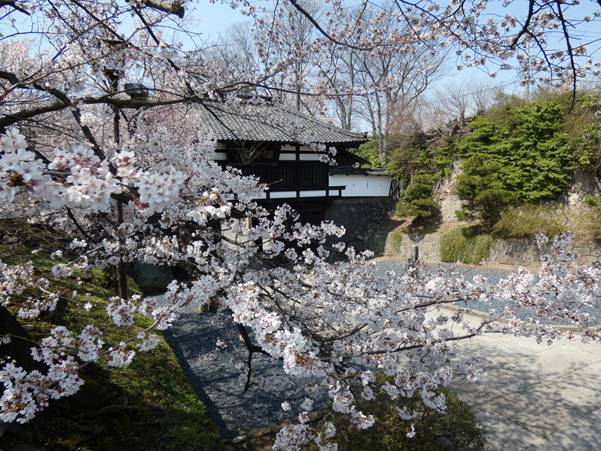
(526, 253)
(447, 198)
(504, 252)
(428, 245)
(366, 219)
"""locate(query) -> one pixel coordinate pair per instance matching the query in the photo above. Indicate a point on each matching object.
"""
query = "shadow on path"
(218, 373)
(536, 396)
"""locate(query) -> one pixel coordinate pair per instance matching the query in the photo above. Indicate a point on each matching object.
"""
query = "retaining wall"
(366, 220)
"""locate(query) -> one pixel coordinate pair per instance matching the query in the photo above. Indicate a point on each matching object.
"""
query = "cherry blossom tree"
(133, 179)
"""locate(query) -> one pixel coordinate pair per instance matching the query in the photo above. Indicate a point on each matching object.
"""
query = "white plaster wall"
(360, 185)
(290, 147)
(292, 194)
(303, 157)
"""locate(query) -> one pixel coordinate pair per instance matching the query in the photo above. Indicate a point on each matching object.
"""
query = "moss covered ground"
(149, 405)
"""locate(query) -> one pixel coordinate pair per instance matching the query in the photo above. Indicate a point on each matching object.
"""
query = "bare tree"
(237, 49)
(393, 81)
(459, 101)
(337, 73)
(455, 100)
(483, 96)
(286, 42)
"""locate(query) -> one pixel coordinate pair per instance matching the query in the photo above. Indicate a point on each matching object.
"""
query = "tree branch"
(174, 7)
(526, 24)
(13, 5)
(319, 28)
(252, 348)
(566, 36)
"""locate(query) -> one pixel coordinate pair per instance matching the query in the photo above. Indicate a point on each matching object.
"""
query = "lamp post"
(113, 76)
(137, 92)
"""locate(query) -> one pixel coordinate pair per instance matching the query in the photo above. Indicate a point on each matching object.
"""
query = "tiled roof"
(270, 122)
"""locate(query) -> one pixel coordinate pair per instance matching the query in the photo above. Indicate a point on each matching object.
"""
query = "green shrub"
(461, 245)
(396, 238)
(584, 134)
(525, 151)
(528, 146)
(421, 153)
(592, 201)
(484, 192)
(527, 221)
(452, 245)
(369, 151)
(417, 200)
(480, 250)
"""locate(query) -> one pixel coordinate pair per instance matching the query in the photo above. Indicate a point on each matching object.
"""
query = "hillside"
(484, 191)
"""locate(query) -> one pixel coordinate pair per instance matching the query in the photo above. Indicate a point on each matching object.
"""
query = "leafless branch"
(566, 36)
(319, 28)
(252, 349)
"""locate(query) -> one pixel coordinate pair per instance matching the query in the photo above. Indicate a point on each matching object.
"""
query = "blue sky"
(214, 19)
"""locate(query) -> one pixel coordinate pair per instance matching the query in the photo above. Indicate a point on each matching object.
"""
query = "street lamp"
(137, 91)
(113, 75)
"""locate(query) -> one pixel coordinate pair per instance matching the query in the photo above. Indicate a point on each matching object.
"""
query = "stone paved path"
(533, 396)
(536, 397)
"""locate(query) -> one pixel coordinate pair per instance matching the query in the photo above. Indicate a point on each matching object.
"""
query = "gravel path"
(218, 374)
(535, 396)
(492, 274)
(398, 265)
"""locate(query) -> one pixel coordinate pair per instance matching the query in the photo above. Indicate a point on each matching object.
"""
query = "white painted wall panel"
(303, 157)
(292, 194)
(360, 185)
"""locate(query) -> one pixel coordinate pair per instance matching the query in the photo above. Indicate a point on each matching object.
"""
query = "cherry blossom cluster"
(61, 355)
(78, 178)
(23, 288)
(26, 393)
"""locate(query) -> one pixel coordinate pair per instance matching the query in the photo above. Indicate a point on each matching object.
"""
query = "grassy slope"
(149, 405)
(461, 244)
(455, 429)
